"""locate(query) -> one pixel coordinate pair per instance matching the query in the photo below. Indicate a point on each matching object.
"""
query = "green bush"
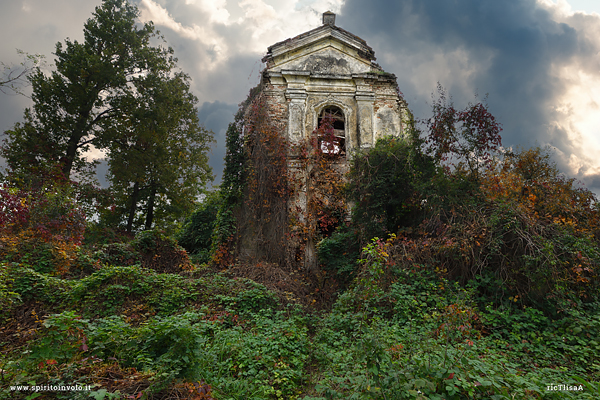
(112, 337)
(339, 252)
(253, 298)
(117, 254)
(266, 361)
(170, 345)
(160, 252)
(196, 234)
(384, 182)
(31, 285)
(63, 337)
(112, 288)
(8, 297)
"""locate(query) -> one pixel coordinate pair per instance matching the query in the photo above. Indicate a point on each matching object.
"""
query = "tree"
(157, 156)
(14, 77)
(79, 104)
(385, 183)
(466, 137)
(197, 233)
(115, 92)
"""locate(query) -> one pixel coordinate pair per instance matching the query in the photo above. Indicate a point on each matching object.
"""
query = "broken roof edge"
(364, 50)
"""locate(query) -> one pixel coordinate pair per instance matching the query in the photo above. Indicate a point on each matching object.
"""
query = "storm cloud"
(539, 64)
(538, 61)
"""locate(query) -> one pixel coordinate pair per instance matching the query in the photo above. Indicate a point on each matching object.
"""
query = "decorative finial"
(328, 18)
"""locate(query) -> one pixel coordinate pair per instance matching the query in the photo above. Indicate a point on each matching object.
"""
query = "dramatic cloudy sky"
(538, 60)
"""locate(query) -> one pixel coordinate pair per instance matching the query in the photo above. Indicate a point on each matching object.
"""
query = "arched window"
(336, 144)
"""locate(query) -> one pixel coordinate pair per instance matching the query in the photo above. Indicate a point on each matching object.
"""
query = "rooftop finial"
(328, 18)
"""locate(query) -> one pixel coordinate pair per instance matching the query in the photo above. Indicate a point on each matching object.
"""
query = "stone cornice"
(321, 33)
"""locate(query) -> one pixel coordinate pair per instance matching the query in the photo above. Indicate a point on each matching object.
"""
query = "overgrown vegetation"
(482, 283)
(386, 184)
(466, 270)
(196, 236)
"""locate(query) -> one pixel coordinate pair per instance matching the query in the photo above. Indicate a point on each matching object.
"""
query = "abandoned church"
(324, 74)
(330, 70)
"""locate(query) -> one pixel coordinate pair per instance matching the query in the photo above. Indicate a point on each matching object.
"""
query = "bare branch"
(14, 77)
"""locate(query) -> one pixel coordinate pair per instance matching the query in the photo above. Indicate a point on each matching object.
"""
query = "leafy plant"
(42, 228)
(339, 252)
(8, 297)
(160, 252)
(63, 339)
(197, 233)
(384, 184)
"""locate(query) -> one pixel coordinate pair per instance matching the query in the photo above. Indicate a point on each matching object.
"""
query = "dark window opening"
(335, 145)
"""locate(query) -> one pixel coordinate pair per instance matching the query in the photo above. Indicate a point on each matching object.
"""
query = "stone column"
(364, 105)
(296, 96)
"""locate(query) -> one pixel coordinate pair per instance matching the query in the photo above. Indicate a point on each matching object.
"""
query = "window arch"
(335, 145)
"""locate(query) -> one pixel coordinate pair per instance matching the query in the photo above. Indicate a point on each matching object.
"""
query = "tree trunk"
(150, 213)
(76, 135)
(132, 206)
(69, 157)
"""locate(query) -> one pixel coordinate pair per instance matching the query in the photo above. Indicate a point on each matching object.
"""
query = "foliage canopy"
(117, 93)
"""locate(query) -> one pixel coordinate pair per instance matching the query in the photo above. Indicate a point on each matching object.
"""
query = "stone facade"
(330, 67)
(329, 71)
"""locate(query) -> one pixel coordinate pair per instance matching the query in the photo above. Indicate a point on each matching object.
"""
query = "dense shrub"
(384, 184)
(151, 249)
(196, 234)
(339, 252)
(117, 254)
(405, 334)
(510, 216)
(41, 228)
(536, 235)
(33, 286)
(8, 297)
(160, 252)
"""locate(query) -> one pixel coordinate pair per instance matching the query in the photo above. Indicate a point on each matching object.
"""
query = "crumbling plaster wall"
(371, 104)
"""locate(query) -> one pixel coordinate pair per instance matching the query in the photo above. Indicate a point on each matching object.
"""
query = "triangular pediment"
(327, 50)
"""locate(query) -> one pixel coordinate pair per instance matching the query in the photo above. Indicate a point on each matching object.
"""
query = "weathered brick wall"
(277, 105)
(387, 108)
(263, 216)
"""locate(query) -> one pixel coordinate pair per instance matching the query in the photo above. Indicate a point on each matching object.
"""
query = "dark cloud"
(231, 81)
(216, 117)
(509, 49)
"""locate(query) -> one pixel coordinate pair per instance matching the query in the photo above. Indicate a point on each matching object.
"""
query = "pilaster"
(296, 97)
(365, 99)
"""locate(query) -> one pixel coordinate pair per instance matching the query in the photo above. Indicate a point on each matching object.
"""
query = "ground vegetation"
(471, 274)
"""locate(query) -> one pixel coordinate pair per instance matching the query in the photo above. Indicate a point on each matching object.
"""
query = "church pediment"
(326, 50)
